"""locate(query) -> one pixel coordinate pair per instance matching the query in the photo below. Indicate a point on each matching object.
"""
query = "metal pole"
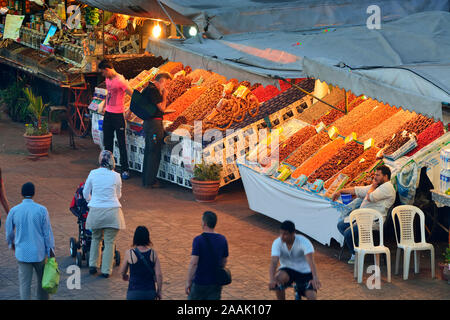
(346, 101)
(308, 93)
(170, 18)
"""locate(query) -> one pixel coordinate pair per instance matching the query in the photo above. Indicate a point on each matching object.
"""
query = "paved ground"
(174, 219)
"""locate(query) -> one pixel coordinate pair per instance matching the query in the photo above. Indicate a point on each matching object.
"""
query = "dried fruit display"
(355, 115)
(358, 166)
(254, 86)
(130, 68)
(183, 102)
(319, 108)
(177, 87)
(267, 93)
(229, 111)
(195, 75)
(213, 79)
(295, 141)
(388, 127)
(178, 122)
(368, 179)
(307, 149)
(332, 115)
(369, 121)
(279, 102)
(245, 84)
(427, 136)
(187, 69)
(416, 126)
(343, 158)
(324, 154)
(204, 104)
(171, 67)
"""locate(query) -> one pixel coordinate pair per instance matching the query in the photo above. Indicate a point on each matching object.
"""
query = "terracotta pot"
(38, 145)
(205, 191)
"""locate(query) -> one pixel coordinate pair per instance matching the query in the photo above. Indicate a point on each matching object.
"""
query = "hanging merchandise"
(406, 182)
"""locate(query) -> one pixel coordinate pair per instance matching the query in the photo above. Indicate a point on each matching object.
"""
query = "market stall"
(295, 175)
(195, 96)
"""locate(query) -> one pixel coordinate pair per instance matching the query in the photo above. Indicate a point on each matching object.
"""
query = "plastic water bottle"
(154, 138)
(444, 181)
(445, 159)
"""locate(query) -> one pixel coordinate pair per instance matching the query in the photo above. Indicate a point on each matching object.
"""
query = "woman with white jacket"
(102, 190)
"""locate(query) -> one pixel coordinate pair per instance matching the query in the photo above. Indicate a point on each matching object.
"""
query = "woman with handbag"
(145, 268)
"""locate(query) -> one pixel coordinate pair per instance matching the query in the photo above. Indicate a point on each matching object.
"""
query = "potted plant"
(37, 137)
(206, 181)
(445, 267)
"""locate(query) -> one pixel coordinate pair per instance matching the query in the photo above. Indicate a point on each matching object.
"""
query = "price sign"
(320, 127)
(369, 143)
(333, 133)
(12, 26)
(350, 137)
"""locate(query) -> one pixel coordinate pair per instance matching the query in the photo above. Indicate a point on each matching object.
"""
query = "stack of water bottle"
(445, 171)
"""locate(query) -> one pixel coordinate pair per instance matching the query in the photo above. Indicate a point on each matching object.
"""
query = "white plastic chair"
(406, 216)
(365, 219)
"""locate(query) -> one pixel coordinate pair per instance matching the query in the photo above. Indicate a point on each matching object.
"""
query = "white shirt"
(106, 188)
(381, 199)
(295, 258)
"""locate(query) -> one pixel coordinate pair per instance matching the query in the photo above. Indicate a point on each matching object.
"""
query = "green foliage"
(16, 102)
(207, 172)
(447, 255)
(36, 107)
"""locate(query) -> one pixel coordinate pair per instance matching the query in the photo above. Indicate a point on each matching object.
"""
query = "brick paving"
(173, 218)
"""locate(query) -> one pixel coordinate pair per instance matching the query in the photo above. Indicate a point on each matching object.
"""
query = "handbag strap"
(211, 249)
(142, 258)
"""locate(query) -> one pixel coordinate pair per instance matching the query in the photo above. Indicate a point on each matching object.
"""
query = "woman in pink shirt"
(114, 120)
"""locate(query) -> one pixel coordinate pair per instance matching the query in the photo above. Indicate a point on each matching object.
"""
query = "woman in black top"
(145, 268)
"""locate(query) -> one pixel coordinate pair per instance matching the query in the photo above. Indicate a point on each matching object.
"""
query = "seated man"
(380, 195)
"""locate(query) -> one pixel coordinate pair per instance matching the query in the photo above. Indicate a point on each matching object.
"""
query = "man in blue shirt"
(209, 251)
(29, 234)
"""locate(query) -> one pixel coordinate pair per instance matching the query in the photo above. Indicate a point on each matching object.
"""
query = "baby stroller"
(80, 209)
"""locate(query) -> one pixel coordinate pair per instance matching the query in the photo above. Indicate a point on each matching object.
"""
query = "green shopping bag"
(50, 279)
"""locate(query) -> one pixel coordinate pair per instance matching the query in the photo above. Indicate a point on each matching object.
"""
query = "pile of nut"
(177, 87)
(416, 126)
(308, 148)
(358, 166)
(295, 141)
(343, 158)
(204, 104)
(368, 179)
(178, 122)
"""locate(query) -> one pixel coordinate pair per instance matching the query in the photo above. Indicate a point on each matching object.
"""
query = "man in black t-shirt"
(153, 128)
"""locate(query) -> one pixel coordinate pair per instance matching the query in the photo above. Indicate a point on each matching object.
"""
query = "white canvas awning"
(406, 63)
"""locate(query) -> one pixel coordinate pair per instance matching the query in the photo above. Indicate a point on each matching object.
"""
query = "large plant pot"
(38, 145)
(205, 191)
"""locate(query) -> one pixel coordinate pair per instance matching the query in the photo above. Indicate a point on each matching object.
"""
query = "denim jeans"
(344, 229)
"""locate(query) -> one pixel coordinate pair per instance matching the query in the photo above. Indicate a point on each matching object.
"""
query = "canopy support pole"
(310, 94)
(346, 101)
(170, 18)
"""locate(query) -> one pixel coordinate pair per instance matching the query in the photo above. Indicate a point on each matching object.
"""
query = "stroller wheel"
(79, 260)
(117, 257)
(73, 247)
